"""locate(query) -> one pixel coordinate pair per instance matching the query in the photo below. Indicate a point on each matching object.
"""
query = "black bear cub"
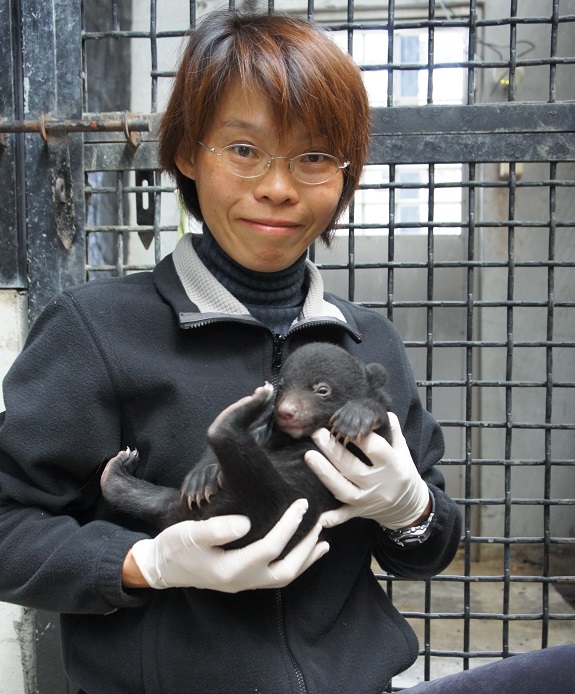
(254, 463)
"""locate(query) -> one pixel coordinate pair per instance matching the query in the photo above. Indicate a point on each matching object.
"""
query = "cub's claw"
(201, 484)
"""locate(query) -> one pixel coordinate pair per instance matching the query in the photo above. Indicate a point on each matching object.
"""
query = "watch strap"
(415, 535)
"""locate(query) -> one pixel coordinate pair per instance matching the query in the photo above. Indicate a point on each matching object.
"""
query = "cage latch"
(55, 131)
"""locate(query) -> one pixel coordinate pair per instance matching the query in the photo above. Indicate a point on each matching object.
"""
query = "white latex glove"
(188, 554)
(391, 492)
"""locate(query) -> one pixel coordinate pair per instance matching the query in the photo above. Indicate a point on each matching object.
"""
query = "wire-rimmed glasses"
(247, 161)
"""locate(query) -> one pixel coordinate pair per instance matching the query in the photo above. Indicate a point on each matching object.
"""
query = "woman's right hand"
(189, 555)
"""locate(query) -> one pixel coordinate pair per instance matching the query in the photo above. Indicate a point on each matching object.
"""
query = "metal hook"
(133, 138)
(42, 127)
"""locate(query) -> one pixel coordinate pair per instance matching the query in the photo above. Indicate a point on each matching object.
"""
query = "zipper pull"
(278, 343)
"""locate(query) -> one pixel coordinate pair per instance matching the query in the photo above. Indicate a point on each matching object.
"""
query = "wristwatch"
(408, 537)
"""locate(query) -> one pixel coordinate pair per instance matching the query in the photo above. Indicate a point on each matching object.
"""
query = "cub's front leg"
(230, 440)
(237, 419)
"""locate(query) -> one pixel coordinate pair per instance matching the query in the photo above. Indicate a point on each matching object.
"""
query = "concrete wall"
(14, 622)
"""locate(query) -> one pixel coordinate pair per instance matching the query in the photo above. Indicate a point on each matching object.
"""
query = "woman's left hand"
(390, 492)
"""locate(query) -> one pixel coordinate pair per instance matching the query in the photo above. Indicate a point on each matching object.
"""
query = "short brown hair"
(307, 78)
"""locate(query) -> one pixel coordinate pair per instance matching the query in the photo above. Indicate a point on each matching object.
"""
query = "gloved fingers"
(300, 558)
(329, 519)
(350, 466)
(189, 554)
(317, 552)
(332, 473)
(258, 563)
(273, 543)
(212, 532)
(398, 441)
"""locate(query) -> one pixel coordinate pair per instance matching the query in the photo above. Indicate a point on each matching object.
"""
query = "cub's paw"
(243, 412)
(124, 462)
(353, 421)
(201, 483)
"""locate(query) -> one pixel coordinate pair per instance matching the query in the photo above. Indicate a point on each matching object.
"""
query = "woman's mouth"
(271, 226)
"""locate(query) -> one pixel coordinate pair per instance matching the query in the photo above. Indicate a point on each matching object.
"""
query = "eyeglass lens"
(248, 161)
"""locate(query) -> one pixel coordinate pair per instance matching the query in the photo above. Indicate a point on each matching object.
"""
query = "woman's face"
(264, 223)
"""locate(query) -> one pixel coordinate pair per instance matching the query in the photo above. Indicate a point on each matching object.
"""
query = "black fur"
(254, 464)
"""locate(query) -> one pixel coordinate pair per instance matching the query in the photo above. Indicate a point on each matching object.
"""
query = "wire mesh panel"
(461, 233)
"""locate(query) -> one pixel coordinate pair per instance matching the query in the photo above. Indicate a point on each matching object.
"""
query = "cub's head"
(316, 381)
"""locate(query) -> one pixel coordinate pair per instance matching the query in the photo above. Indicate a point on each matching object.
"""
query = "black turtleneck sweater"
(274, 298)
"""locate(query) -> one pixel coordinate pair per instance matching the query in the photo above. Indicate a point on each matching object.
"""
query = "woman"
(266, 133)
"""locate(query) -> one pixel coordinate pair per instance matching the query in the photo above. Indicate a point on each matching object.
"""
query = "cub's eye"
(322, 389)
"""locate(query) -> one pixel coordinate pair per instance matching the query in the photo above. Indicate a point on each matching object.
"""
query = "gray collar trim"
(200, 285)
(211, 297)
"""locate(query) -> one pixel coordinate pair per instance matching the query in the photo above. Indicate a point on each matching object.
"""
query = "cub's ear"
(376, 375)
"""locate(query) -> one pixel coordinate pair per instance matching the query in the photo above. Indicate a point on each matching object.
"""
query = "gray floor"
(486, 635)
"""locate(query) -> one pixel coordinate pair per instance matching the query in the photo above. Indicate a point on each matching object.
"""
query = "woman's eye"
(243, 151)
(315, 158)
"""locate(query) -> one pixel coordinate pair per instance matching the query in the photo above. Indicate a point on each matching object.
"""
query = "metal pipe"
(100, 122)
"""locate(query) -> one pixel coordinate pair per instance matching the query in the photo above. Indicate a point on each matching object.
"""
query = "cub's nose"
(286, 411)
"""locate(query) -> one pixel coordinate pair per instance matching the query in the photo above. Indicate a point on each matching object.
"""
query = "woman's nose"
(278, 184)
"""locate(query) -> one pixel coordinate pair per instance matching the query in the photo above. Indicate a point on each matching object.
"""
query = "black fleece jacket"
(134, 362)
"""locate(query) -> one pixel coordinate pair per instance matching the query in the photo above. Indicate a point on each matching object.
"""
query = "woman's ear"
(185, 164)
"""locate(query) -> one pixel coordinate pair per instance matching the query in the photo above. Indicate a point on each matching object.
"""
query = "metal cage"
(462, 233)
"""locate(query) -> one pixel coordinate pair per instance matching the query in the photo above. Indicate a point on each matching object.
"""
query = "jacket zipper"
(278, 342)
(277, 356)
(281, 629)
